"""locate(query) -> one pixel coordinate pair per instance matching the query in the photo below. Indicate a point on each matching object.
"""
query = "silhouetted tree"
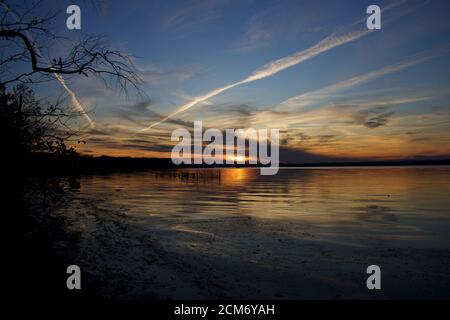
(26, 58)
(28, 125)
(26, 37)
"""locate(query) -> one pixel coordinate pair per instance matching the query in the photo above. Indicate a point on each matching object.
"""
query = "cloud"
(242, 109)
(334, 40)
(324, 138)
(257, 35)
(291, 155)
(379, 120)
(129, 144)
(184, 123)
(420, 139)
(272, 68)
(413, 132)
(96, 132)
(273, 25)
(192, 15)
(157, 76)
(139, 114)
(141, 106)
(361, 113)
(326, 44)
(312, 97)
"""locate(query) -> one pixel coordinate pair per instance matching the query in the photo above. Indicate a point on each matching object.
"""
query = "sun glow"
(239, 158)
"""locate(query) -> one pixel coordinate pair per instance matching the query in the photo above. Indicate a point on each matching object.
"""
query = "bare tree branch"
(88, 57)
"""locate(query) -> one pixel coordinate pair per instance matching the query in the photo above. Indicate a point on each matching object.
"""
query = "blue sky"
(397, 107)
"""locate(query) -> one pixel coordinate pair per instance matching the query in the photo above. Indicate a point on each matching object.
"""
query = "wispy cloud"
(273, 68)
(155, 75)
(273, 25)
(378, 120)
(357, 112)
(335, 40)
(192, 15)
(315, 96)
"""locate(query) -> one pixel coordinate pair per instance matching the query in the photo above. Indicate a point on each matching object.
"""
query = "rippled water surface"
(346, 204)
(232, 233)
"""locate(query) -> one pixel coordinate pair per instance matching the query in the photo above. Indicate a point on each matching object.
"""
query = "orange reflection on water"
(238, 176)
(400, 203)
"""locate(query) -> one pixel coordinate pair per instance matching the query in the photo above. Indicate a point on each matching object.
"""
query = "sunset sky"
(308, 68)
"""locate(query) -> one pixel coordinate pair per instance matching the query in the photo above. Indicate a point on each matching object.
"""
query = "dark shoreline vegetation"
(47, 126)
(48, 163)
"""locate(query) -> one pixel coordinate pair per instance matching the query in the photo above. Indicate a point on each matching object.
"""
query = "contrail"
(307, 98)
(272, 68)
(75, 102)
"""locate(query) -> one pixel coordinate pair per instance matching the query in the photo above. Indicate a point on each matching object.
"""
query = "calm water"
(344, 204)
(303, 233)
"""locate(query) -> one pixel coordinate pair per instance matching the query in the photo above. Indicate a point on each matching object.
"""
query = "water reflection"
(350, 203)
(232, 233)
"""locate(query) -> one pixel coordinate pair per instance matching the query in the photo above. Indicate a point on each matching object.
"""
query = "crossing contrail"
(276, 66)
(272, 68)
